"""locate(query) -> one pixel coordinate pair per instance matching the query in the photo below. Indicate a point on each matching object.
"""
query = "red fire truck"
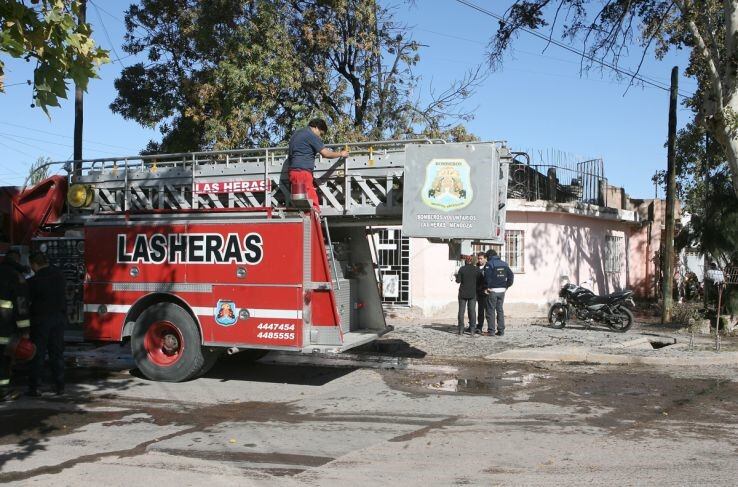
(192, 255)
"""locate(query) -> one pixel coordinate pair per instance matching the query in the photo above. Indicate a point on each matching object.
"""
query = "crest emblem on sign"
(447, 184)
(225, 313)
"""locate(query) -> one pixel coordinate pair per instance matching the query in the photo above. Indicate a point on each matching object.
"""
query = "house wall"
(558, 247)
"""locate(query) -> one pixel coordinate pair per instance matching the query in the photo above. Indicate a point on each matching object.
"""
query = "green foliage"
(37, 173)
(687, 313)
(707, 194)
(224, 74)
(48, 32)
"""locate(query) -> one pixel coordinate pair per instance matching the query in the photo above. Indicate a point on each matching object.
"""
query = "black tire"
(557, 315)
(625, 320)
(166, 344)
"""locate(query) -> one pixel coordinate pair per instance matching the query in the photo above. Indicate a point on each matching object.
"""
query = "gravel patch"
(437, 337)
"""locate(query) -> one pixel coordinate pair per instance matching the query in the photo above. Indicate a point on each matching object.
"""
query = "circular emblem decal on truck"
(225, 313)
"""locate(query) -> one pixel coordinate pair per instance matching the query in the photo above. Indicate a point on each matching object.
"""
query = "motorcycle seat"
(608, 298)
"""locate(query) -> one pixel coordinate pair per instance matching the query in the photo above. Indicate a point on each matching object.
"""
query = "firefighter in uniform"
(47, 290)
(13, 315)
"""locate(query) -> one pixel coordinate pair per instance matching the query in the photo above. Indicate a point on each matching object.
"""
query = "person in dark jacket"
(497, 278)
(304, 145)
(481, 295)
(47, 290)
(467, 279)
(13, 316)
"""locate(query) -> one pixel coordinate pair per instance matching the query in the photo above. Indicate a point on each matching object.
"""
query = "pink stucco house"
(612, 243)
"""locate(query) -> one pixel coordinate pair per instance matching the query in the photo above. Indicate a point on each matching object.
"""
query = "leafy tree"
(608, 28)
(48, 32)
(37, 173)
(226, 73)
(705, 189)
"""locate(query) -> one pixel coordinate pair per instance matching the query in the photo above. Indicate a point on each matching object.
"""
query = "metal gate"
(393, 259)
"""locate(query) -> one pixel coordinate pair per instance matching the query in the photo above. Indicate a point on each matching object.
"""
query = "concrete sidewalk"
(531, 339)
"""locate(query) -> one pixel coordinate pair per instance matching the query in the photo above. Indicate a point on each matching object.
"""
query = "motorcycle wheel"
(557, 316)
(626, 320)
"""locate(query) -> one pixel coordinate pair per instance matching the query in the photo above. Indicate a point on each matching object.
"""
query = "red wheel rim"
(164, 343)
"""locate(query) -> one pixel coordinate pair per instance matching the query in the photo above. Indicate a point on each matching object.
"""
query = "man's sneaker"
(499, 333)
(59, 390)
(33, 392)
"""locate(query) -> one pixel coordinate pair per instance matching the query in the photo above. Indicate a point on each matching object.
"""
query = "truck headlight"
(80, 195)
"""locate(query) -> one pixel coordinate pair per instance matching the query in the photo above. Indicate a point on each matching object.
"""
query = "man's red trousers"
(306, 178)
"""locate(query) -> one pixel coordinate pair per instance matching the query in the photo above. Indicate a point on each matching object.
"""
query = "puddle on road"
(475, 385)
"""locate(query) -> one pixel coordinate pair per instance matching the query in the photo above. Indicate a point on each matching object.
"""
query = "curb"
(583, 355)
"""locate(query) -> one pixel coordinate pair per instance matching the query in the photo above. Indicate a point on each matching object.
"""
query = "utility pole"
(78, 106)
(706, 212)
(670, 200)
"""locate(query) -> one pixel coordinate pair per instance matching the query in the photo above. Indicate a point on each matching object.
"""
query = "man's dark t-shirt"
(47, 289)
(304, 146)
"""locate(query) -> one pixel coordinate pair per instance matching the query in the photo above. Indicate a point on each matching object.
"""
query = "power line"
(633, 75)
(64, 136)
(106, 12)
(27, 82)
(480, 43)
(107, 35)
(16, 150)
(15, 139)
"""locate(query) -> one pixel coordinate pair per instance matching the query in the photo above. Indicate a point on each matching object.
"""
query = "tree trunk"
(731, 150)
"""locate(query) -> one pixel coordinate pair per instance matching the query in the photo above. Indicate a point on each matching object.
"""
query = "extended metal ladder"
(367, 184)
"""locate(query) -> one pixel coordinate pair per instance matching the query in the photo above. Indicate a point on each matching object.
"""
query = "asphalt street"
(378, 421)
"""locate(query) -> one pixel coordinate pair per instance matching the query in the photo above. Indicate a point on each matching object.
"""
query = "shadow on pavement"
(600, 328)
(27, 424)
(443, 327)
(390, 346)
(235, 368)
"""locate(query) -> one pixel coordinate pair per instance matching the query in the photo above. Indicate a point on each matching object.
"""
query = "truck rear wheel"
(166, 344)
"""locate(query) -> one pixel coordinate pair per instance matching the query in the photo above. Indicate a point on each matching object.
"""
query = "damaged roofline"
(575, 208)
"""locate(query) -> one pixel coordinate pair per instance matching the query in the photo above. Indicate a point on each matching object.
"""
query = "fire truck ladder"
(364, 188)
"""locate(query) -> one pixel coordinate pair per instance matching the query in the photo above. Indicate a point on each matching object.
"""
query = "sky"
(537, 101)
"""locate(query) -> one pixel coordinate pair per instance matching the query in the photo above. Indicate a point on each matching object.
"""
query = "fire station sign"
(452, 191)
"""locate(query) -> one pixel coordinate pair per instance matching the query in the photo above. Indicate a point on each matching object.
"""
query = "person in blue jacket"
(497, 278)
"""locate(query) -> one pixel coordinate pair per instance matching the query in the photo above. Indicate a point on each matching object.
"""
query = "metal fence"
(562, 182)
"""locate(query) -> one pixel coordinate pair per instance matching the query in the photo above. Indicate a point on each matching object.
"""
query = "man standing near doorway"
(481, 295)
(304, 145)
(467, 279)
(497, 278)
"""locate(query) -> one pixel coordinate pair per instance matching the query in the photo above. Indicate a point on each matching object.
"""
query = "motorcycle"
(584, 305)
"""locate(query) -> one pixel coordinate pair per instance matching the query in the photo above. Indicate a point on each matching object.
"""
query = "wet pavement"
(374, 418)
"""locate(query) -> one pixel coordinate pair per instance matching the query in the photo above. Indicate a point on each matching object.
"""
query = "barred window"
(613, 253)
(514, 251)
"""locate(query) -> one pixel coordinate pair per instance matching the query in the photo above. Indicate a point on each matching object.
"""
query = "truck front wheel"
(166, 344)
